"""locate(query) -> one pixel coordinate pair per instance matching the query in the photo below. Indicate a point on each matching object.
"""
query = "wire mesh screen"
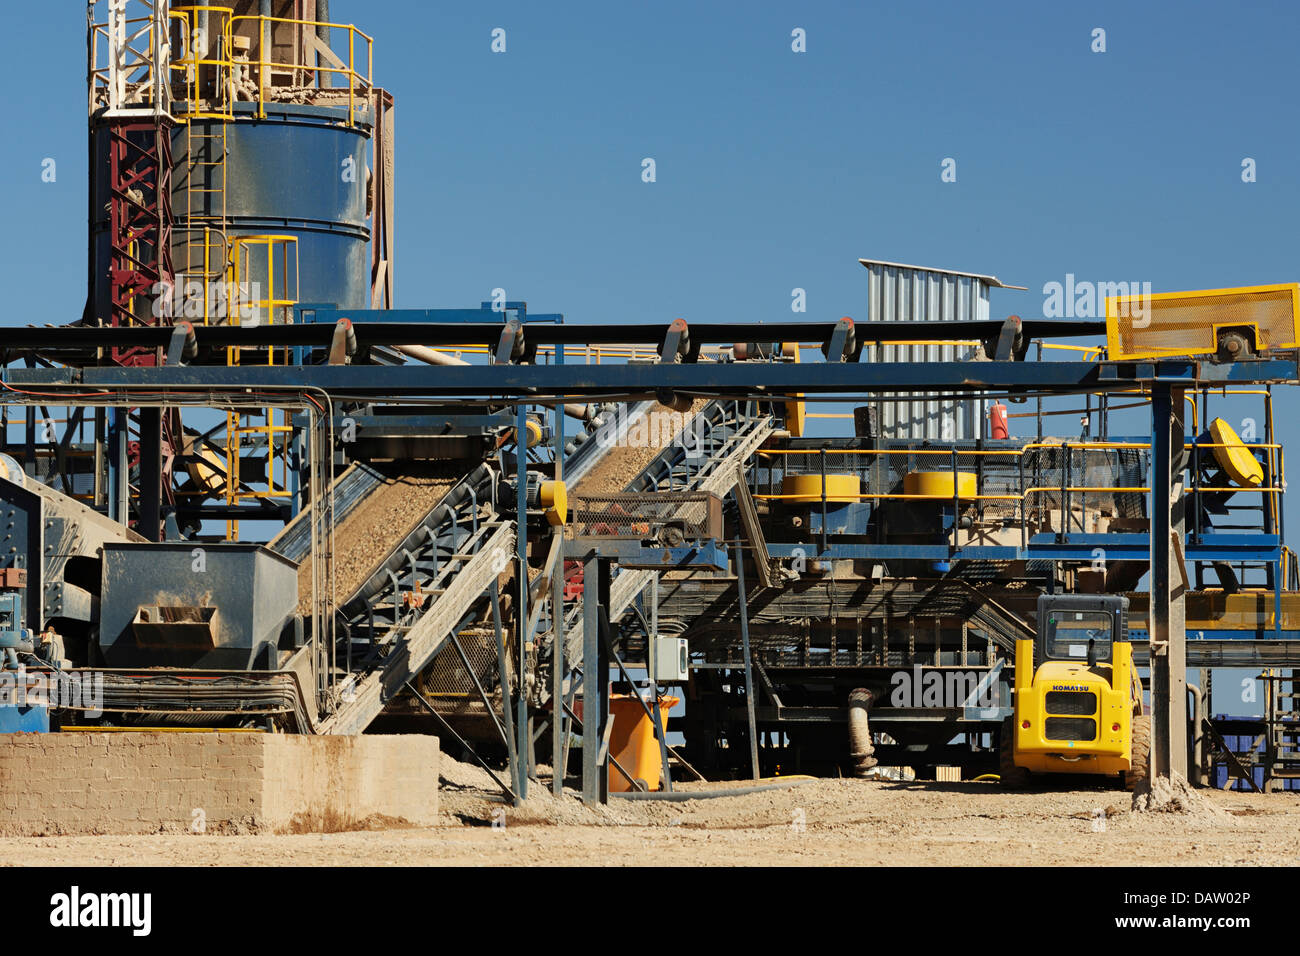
(898, 642)
(1105, 480)
(447, 676)
(1188, 323)
(883, 474)
(668, 517)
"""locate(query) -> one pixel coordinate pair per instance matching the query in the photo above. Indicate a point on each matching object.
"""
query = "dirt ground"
(815, 823)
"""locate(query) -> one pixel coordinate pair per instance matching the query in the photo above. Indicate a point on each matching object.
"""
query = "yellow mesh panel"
(1186, 323)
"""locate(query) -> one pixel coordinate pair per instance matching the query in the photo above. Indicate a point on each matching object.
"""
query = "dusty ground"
(820, 823)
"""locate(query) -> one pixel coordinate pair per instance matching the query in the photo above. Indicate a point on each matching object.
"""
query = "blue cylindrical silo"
(299, 171)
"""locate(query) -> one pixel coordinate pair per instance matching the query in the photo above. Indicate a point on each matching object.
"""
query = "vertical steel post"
(749, 664)
(523, 726)
(151, 490)
(119, 468)
(1168, 592)
(825, 536)
(503, 665)
(559, 722)
(652, 664)
(595, 681)
(29, 441)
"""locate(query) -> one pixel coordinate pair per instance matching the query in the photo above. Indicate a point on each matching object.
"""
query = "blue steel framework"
(178, 384)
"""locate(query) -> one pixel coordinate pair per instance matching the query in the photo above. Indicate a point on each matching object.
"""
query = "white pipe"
(433, 357)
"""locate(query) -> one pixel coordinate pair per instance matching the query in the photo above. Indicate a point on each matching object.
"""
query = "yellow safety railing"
(1290, 570)
(214, 68)
(1093, 352)
(590, 354)
(204, 59)
(272, 260)
(1016, 453)
(358, 83)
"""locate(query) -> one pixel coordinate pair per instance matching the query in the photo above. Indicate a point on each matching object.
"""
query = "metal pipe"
(679, 796)
(860, 749)
(430, 356)
(1196, 768)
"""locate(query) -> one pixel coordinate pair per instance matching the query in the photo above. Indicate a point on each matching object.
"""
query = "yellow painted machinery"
(1077, 704)
(1229, 324)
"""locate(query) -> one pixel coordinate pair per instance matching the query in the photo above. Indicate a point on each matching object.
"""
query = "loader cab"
(1081, 629)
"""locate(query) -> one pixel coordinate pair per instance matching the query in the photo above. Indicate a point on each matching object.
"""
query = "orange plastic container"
(632, 742)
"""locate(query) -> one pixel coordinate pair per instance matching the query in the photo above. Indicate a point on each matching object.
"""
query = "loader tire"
(1140, 765)
(1011, 776)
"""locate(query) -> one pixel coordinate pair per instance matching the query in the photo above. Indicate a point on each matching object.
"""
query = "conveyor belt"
(724, 438)
(421, 591)
(357, 481)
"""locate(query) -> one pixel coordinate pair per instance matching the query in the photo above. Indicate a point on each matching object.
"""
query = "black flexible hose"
(678, 796)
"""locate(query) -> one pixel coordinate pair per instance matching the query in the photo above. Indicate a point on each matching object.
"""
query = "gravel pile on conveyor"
(378, 523)
(622, 463)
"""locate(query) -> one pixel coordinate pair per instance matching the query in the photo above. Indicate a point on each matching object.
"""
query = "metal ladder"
(265, 429)
(206, 153)
(1282, 697)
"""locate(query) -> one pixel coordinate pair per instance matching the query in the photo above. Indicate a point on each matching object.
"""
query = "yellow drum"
(939, 484)
(839, 488)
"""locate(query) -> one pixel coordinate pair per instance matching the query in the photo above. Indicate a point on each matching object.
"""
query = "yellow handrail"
(191, 64)
(1023, 497)
(357, 83)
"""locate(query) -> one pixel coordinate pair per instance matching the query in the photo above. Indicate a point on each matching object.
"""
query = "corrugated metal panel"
(902, 293)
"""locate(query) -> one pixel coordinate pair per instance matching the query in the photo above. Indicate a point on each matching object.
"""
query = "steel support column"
(745, 648)
(150, 499)
(595, 681)
(523, 724)
(1168, 584)
(559, 723)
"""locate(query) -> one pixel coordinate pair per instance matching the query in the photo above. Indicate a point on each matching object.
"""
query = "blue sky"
(775, 169)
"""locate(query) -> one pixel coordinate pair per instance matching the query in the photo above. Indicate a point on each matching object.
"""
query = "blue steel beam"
(1138, 631)
(539, 382)
(1137, 547)
(1080, 547)
(328, 314)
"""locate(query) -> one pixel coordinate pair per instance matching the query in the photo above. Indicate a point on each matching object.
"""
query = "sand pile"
(465, 776)
(1173, 795)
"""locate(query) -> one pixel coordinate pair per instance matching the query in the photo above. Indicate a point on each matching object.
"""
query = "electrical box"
(671, 659)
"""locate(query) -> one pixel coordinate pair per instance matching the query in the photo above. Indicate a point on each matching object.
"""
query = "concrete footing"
(162, 782)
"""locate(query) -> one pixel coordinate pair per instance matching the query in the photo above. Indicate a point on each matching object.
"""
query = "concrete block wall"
(85, 783)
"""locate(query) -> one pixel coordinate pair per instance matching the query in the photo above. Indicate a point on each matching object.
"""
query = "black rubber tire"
(1141, 762)
(1011, 776)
